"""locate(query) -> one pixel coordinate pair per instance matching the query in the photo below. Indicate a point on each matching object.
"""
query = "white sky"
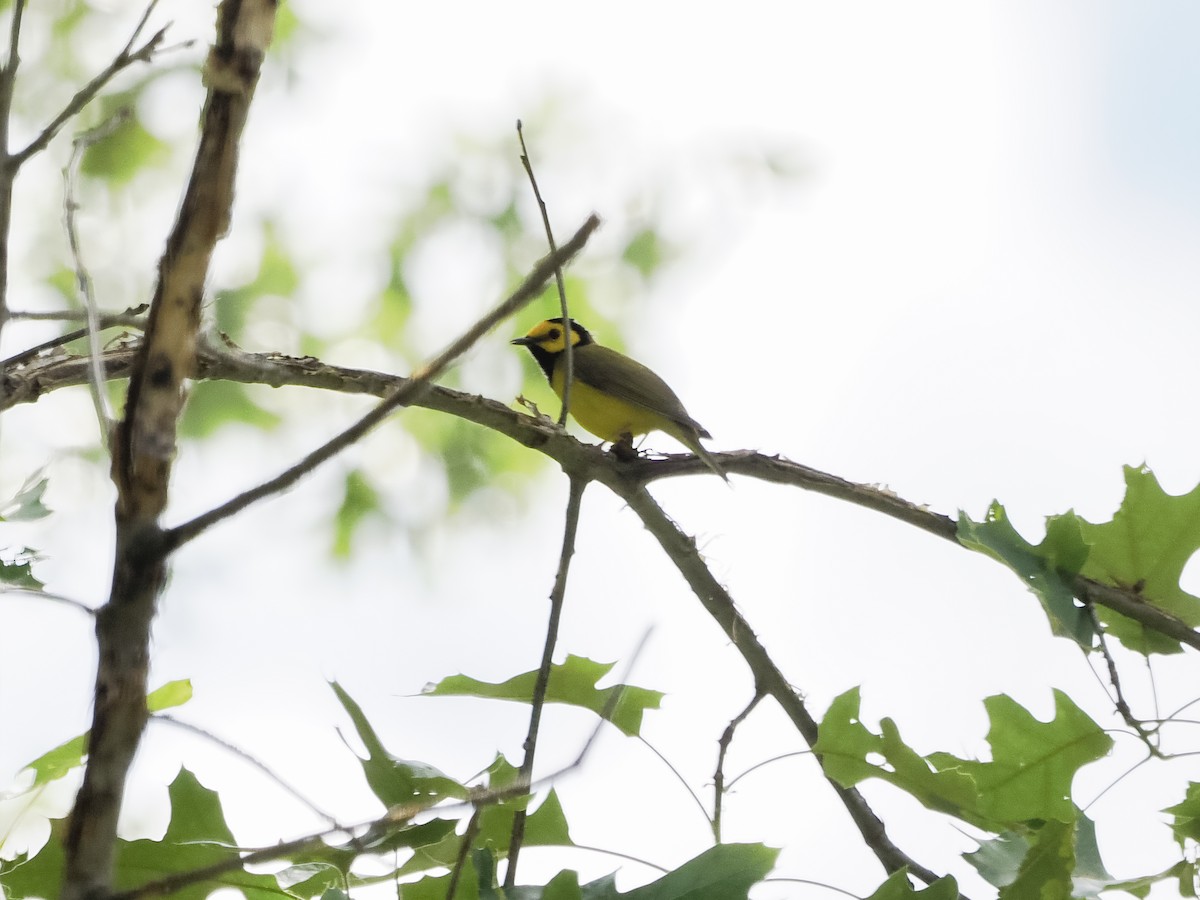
(985, 287)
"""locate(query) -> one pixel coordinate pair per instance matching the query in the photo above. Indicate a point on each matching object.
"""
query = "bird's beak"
(524, 342)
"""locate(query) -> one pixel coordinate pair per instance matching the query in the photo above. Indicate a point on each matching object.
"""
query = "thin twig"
(557, 596)
(47, 595)
(83, 280)
(464, 850)
(568, 349)
(678, 777)
(132, 316)
(723, 748)
(106, 321)
(1118, 696)
(125, 58)
(246, 757)
(409, 391)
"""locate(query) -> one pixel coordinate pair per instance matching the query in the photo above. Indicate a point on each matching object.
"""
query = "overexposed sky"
(983, 285)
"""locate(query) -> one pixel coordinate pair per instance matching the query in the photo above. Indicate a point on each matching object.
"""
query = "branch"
(722, 749)
(143, 445)
(83, 279)
(123, 60)
(538, 700)
(405, 392)
(768, 678)
(568, 347)
(26, 384)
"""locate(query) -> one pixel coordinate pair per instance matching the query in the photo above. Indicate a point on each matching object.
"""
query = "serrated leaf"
(26, 504)
(572, 682)
(1033, 763)
(898, 887)
(197, 837)
(849, 750)
(393, 780)
(1047, 569)
(1146, 546)
(1186, 816)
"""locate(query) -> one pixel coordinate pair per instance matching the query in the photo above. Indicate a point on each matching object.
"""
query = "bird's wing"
(628, 380)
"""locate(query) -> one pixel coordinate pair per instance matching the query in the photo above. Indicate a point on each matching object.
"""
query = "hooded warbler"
(613, 396)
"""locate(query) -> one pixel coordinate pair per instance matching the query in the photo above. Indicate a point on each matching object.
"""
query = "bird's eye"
(555, 334)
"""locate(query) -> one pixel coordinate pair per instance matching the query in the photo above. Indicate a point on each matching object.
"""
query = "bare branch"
(123, 60)
(538, 701)
(408, 391)
(83, 280)
(682, 551)
(723, 748)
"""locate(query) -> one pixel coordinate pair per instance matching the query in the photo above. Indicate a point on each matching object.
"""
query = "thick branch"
(144, 447)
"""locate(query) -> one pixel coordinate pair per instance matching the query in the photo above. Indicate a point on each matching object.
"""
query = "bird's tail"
(693, 444)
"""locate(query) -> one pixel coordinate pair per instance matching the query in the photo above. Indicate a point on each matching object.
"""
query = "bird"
(614, 397)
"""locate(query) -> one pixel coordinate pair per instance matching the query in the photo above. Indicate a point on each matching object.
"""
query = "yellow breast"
(605, 416)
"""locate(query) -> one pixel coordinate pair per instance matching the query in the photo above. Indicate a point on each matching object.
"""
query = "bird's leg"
(622, 448)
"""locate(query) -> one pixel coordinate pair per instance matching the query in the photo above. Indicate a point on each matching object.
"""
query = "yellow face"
(549, 336)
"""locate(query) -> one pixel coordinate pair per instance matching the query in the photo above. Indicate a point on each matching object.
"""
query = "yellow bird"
(613, 396)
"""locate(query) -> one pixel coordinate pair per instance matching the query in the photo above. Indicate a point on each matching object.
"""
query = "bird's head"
(549, 337)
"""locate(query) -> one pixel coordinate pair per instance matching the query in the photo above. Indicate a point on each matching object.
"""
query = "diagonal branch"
(409, 391)
(768, 678)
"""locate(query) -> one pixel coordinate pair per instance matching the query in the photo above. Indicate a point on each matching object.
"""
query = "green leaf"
(1047, 569)
(215, 404)
(572, 682)
(1046, 870)
(17, 570)
(1033, 763)
(393, 780)
(1145, 547)
(1186, 815)
(314, 872)
(172, 694)
(848, 750)
(69, 755)
(26, 504)
(197, 837)
(723, 872)
(998, 860)
(277, 276)
(359, 501)
(544, 827)
(646, 252)
(898, 887)
(1029, 777)
(127, 150)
